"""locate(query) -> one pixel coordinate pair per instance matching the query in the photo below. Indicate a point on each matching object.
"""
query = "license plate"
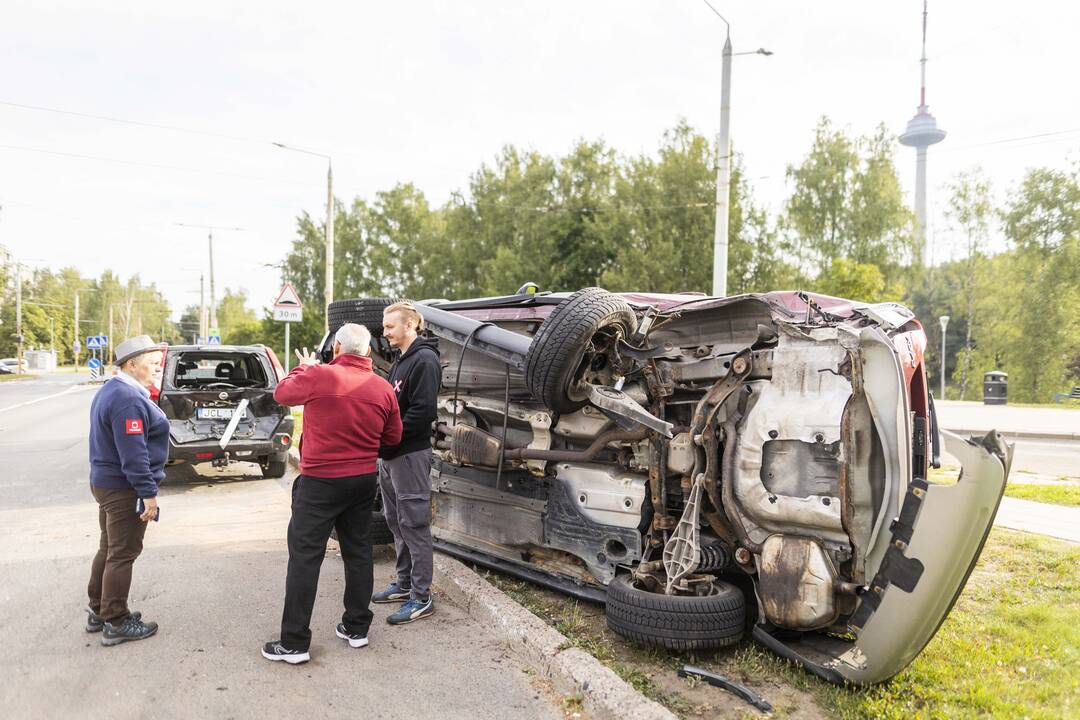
(214, 413)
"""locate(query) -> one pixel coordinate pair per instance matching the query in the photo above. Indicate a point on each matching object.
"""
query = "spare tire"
(676, 622)
(553, 364)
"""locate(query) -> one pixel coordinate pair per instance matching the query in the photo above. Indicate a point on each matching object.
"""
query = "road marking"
(73, 388)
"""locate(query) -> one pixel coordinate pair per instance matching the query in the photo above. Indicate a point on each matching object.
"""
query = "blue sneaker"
(414, 609)
(392, 594)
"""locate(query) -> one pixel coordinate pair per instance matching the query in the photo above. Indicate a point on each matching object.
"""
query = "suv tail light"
(155, 389)
(278, 370)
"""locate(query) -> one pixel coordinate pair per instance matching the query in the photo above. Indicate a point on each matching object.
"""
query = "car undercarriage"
(699, 464)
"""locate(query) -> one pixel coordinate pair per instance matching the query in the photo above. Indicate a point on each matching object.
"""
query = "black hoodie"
(415, 377)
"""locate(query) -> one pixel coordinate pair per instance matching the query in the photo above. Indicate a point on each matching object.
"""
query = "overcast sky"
(425, 91)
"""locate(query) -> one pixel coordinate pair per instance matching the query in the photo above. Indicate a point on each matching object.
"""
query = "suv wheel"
(676, 622)
(564, 348)
(272, 467)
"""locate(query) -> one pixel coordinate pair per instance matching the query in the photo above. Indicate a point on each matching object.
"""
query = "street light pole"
(723, 176)
(328, 290)
(723, 164)
(944, 320)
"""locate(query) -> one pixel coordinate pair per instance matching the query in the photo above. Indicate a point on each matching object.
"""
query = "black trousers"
(318, 506)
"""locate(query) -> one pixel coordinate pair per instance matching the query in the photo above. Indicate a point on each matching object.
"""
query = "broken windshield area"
(209, 369)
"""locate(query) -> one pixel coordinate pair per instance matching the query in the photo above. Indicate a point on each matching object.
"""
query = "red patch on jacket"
(134, 427)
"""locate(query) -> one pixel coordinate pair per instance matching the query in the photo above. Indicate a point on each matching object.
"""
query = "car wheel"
(676, 622)
(362, 311)
(565, 348)
(180, 473)
(274, 468)
(380, 531)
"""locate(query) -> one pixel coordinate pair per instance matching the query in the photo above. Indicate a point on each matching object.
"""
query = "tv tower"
(922, 132)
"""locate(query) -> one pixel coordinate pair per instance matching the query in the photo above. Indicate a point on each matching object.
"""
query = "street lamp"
(723, 163)
(329, 290)
(944, 320)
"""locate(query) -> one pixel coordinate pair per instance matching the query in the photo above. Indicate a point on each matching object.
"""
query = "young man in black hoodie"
(404, 470)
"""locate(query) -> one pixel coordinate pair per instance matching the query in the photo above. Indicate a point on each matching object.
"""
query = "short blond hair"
(408, 311)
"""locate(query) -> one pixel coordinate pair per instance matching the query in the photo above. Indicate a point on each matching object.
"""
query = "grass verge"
(1009, 649)
(16, 378)
(1054, 494)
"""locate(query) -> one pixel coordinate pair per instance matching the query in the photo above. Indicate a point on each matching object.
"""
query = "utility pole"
(723, 163)
(18, 317)
(329, 244)
(328, 291)
(76, 345)
(202, 308)
(213, 295)
(723, 177)
(110, 344)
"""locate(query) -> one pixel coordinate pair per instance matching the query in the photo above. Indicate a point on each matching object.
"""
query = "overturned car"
(708, 467)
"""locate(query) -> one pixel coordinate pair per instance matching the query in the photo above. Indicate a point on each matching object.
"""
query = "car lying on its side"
(708, 466)
(220, 403)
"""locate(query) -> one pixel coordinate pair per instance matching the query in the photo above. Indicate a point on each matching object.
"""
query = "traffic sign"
(288, 313)
(287, 307)
(93, 363)
(288, 297)
(104, 340)
(214, 340)
(92, 342)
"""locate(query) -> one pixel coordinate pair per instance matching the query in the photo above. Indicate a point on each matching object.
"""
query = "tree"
(847, 203)
(969, 213)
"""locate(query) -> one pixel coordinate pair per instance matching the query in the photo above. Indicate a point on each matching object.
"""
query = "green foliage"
(847, 203)
(48, 312)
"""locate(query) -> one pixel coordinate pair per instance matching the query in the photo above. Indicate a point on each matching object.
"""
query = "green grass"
(1009, 649)
(15, 378)
(1054, 494)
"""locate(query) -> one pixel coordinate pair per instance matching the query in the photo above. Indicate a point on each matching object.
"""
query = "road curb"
(573, 671)
(1019, 434)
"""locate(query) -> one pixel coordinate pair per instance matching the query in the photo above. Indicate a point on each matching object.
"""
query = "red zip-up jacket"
(349, 412)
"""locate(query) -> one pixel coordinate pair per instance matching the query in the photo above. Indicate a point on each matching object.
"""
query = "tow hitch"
(220, 462)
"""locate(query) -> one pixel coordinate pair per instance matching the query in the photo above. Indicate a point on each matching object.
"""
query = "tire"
(676, 622)
(554, 359)
(274, 466)
(362, 311)
(380, 531)
(180, 473)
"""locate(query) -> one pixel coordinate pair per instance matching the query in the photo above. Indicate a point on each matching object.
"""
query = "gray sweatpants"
(405, 483)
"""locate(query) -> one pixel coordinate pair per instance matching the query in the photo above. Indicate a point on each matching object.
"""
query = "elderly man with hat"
(129, 443)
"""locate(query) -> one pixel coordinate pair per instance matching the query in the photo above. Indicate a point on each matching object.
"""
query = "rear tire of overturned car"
(676, 622)
(553, 363)
(362, 311)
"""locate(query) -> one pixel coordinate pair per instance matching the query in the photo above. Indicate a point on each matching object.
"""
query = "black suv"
(204, 387)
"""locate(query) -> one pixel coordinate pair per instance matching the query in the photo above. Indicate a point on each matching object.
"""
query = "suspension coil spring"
(714, 558)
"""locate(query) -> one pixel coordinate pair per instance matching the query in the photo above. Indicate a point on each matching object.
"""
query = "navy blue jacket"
(129, 440)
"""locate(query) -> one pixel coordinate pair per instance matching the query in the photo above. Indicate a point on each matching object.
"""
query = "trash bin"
(995, 388)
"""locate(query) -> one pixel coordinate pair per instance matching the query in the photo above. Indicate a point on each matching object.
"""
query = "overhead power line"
(139, 163)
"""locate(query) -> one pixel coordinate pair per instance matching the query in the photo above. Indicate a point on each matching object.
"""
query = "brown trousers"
(121, 542)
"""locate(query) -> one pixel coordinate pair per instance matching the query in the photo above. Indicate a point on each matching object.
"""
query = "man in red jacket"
(349, 412)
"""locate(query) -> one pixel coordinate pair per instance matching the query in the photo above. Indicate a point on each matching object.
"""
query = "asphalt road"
(212, 574)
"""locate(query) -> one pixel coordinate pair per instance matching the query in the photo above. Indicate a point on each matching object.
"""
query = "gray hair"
(354, 339)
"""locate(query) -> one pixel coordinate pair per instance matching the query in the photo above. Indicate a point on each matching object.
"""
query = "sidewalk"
(1056, 521)
(964, 417)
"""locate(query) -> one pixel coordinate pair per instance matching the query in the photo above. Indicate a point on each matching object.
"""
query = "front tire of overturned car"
(274, 466)
(676, 622)
(553, 364)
